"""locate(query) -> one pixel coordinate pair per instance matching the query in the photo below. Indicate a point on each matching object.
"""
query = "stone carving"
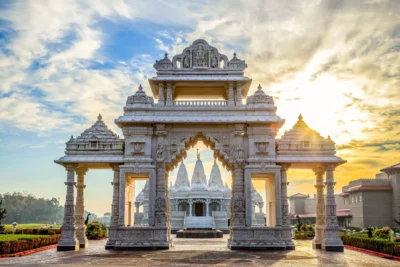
(138, 147)
(160, 152)
(214, 60)
(199, 55)
(261, 147)
(139, 97)
(160, 204)
(186, 61)
(236, 63)
(239, 153)
(238, 203)
(163, 64)
(260, 97)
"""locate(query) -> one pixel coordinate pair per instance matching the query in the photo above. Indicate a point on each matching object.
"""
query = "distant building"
(362, 203)
(106, 219)
(199, 204)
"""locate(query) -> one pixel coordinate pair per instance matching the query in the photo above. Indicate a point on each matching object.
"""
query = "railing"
(200, 103)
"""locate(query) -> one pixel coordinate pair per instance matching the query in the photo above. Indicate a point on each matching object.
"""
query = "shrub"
(357, 229)
(94, 230)
(300, 235)
(23, 244)
(383, 233)
(377, 245)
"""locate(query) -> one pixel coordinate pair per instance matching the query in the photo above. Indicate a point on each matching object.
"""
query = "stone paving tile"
(199, 252)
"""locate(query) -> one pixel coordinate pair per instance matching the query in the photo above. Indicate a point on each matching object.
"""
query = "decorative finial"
(99, 117)
(259, 87)
(329, 137)
(198, 154)
(72, 137)
(234, 54)
(215, 160)
(300, 117)
(166, 54)
(140, 87)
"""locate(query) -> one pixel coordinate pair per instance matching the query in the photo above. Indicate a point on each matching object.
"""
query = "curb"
(27, 252)
(373, 253)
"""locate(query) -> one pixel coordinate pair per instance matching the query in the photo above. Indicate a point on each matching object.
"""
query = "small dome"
(183, 188)
(227, 189)
(257, 197)
(197, 187)
(171, 188)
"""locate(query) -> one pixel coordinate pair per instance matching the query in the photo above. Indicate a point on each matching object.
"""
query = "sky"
(64, 62)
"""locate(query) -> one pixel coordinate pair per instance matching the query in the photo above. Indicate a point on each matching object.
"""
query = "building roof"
(339, 213)
(299, 195)
(392, 169)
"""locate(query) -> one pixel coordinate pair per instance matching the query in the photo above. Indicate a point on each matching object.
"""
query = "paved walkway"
(200, 252)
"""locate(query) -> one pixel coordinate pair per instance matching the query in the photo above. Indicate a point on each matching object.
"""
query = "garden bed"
(26, 242)
(372, 244)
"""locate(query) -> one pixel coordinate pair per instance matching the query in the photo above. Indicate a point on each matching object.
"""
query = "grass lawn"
(16, 237)
(9, 227)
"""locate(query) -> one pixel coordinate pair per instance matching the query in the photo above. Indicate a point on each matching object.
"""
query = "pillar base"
(260, 238)
(68, 245)
(333, 248)
(68, 240)
(316, 246)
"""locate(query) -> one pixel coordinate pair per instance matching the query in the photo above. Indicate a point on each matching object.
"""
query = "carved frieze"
(261, 148)
(138, 147)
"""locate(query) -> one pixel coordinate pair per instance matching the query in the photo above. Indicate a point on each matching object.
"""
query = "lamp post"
(14, 224)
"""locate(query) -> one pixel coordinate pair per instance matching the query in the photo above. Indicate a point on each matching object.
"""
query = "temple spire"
(99, 117)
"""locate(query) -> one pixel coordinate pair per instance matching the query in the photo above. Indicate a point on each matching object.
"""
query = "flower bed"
(377, 245)
(27, 243)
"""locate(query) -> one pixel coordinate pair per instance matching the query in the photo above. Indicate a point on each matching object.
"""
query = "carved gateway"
(240, 128)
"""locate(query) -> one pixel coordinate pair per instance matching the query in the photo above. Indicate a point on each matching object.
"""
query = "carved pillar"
(161, 99)
(284, 199)
(115, 201)
(239, 94)
(169, 101)
(68, 239)
(190, 207)
(80, 209)
(320, 220)
(161, 201)
(331, 240)
(231, 100)
(207, 207)
(238, 200)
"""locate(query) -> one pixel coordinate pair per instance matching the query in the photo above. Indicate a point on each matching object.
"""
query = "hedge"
(23, 244)
(35, 231)
(376, 245)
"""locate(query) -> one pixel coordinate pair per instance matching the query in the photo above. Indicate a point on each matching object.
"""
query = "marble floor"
(199, 252)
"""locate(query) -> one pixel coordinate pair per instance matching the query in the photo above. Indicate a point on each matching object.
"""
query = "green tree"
(3, 213)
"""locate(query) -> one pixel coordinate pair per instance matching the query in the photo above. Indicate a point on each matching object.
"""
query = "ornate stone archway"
(201, 100)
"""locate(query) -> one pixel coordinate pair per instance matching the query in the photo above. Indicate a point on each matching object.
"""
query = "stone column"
(115, 201)
(284, 199)
(161, 100)
(207, 207)
(238, 200)
(80, 209)
(168, 101)
(190, 207)
(239, 94)
(331, 240)
(320, 220)
(68, 239)
(231, 100)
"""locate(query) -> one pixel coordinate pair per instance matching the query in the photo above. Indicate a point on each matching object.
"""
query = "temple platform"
(199, 233)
